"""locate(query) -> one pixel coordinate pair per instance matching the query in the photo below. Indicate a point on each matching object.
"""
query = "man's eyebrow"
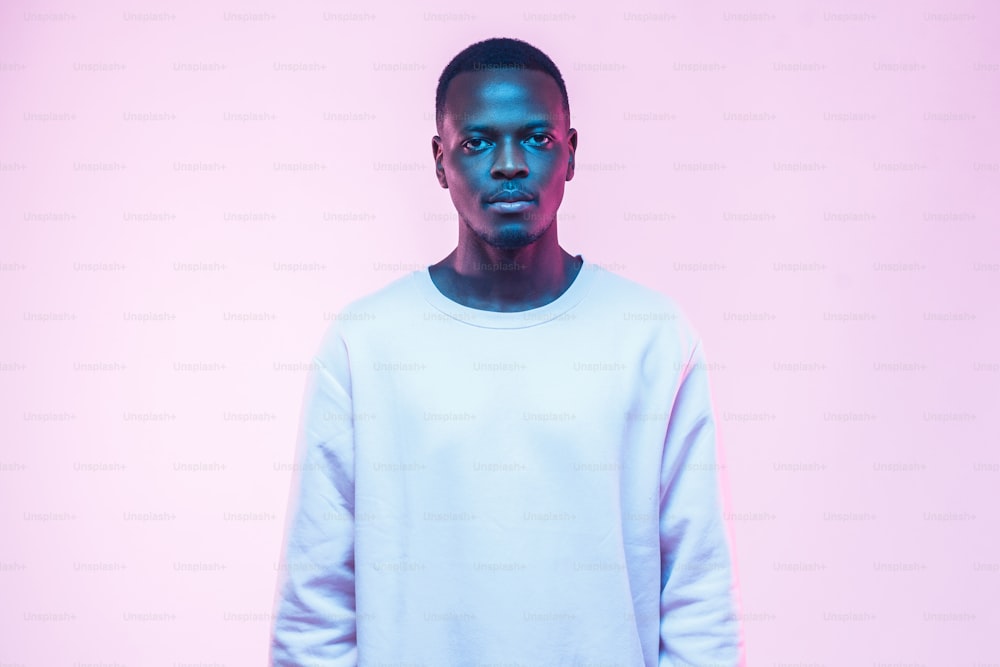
(527, 126)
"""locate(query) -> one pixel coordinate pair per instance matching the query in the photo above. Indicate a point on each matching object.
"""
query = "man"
(508, 458)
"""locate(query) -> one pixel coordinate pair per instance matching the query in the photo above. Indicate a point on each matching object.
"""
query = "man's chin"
(511, 236)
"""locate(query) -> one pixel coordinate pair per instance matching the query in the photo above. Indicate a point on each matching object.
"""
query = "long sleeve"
(315, 611)
(699, 623)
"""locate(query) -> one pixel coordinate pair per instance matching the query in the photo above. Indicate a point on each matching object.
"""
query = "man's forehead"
(472, 97)
(498, 117)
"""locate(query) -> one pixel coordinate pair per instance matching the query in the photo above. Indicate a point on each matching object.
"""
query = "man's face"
(505, 137)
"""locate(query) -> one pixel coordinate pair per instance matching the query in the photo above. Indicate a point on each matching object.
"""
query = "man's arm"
(698, 598)
(315, 611)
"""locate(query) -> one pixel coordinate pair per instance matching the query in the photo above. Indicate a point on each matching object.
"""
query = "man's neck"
(484, 277)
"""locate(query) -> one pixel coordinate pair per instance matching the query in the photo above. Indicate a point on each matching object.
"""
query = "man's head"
(497, 54)
(504, 134)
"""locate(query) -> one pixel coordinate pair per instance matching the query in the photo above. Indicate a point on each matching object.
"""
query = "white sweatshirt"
(479, 488)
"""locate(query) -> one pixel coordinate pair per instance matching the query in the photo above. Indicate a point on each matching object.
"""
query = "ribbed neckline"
(504, 320)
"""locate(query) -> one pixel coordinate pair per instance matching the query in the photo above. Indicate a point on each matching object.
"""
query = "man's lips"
(510, 196)
(513, 206)
(511, 201)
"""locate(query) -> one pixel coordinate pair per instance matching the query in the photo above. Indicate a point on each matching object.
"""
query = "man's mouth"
(510, 196)
(513, 206)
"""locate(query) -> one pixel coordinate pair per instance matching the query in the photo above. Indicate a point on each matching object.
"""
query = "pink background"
(189, 191)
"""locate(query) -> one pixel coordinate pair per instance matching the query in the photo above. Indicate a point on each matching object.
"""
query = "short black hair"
(497, 53)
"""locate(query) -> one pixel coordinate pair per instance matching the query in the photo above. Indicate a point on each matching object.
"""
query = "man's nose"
(509, 161)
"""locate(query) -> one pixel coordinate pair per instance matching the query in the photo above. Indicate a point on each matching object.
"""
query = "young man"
(508, 458)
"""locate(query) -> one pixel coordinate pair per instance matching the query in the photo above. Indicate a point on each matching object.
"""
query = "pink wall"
(189, 190)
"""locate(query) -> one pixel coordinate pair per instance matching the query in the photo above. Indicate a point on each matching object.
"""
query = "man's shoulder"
(390, 298)
(640, 304)
(378, 308)
(629, 289)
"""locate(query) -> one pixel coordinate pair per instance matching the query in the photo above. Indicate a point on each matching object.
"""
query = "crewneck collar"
(491, 319)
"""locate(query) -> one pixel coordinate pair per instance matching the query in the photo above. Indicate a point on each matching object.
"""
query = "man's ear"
(571, 138)
(437, 148)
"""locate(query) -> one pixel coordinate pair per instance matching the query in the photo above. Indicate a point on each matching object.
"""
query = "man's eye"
(541, 139)
(468, 143)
